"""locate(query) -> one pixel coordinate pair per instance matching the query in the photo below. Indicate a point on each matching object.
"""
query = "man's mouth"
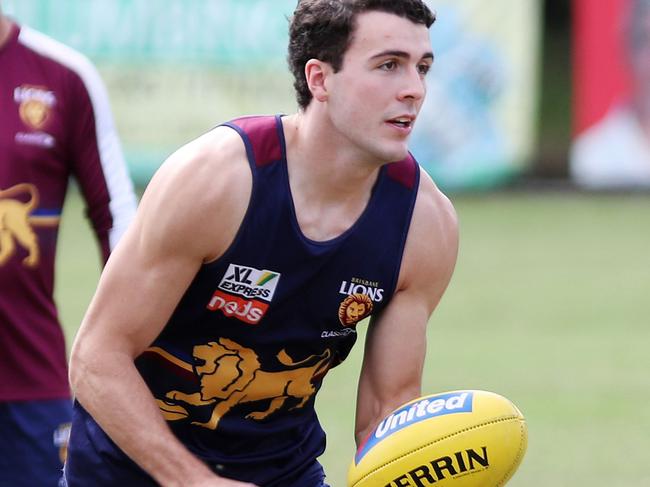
(402, 122)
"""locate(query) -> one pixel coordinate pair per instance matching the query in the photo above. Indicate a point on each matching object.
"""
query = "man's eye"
(424, 68)
(389, 65)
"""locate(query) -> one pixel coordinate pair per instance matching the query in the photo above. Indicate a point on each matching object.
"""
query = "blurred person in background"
(615, 152)
(256, 251)
(55, 122)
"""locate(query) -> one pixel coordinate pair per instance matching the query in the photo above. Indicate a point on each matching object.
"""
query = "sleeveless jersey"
(236, 369)
(55, 123)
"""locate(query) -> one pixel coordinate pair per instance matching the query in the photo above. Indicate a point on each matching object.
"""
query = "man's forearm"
(121, 403)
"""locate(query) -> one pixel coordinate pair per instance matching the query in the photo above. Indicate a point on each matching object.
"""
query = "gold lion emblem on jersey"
(34, 113)
(35, 105)
(231, 374)
(14, 223)
(354, 308)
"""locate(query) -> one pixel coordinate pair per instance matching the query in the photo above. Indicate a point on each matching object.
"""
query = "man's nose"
(414, 85)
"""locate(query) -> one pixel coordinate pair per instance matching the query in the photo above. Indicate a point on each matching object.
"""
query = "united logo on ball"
(461, 438)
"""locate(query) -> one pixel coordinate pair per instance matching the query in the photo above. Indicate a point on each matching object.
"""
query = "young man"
(256, 251)
(55, 122)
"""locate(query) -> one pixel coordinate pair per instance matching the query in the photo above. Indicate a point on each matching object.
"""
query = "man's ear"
(316, 73)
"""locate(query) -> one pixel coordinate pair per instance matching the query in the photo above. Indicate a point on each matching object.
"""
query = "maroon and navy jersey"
(236, 370)
(55, 123)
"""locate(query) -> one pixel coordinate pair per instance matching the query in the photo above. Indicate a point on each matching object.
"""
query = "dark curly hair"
(322, 29)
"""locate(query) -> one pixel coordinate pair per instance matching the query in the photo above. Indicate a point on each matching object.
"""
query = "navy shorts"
(33, 442)
(94, 460)
(77, 475)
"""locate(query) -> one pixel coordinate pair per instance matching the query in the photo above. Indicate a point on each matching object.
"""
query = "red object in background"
(600, 73)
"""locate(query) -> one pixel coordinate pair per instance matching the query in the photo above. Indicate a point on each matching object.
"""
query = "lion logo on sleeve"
(231, 374)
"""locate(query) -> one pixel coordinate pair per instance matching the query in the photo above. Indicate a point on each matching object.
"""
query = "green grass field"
(549, 306)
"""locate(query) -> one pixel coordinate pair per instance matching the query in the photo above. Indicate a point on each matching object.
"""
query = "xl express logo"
(244, 293)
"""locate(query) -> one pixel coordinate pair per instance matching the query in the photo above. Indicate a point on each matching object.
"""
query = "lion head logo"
(34, 113)
(354, 308)
(35, 105)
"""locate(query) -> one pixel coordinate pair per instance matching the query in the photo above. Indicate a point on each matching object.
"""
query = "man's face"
(374, 99)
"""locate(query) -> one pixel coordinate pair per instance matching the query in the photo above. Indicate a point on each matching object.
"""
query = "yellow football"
(460, 438)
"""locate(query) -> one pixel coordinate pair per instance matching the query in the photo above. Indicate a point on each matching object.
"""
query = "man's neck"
(330, 188)
(329, 166)
(5, 29)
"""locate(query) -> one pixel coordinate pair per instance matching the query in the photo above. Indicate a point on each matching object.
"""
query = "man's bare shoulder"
(432, 243)
(202, 190)
(208, 162)
(433, 209)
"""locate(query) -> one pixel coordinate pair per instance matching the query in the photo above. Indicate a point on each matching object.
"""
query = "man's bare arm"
(188, 216)
(395, 346)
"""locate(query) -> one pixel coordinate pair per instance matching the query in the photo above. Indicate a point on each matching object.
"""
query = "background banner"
(175, 68)
(600, 77)
(611, 144)
(478, 123)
